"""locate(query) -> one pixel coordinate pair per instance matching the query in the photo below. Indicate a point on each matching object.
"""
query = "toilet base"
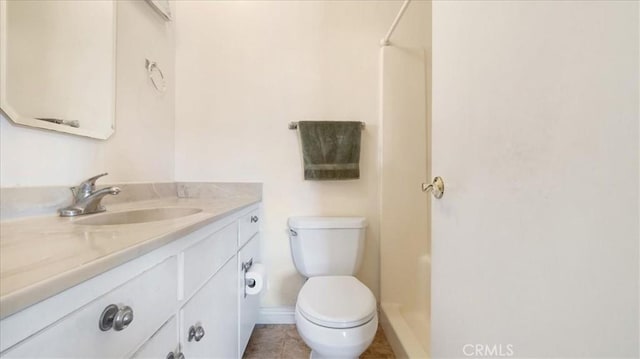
(336, 343)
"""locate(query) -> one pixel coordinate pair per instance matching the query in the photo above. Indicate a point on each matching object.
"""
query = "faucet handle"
(89, 184)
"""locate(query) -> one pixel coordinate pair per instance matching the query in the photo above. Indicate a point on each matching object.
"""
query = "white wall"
(535, 131)
(246, 69)
(141, 148)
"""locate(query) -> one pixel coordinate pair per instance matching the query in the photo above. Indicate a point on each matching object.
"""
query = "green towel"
(330, 149)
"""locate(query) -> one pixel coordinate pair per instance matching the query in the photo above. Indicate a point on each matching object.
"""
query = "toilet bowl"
(335, 313)
(336, 316)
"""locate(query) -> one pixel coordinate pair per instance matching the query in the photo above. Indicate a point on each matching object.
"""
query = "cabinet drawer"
(163, 342)
(206, 257)
(152, 297)
(248, 225)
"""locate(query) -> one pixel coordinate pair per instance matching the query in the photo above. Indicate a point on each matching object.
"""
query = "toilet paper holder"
(247, 282)
(247, 265)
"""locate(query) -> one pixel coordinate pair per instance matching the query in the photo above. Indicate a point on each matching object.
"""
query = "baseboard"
(277, 315)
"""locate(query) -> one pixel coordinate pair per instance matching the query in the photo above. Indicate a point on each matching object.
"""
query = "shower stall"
(404, 209)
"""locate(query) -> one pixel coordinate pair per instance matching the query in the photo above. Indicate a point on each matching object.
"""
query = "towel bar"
(294, 125)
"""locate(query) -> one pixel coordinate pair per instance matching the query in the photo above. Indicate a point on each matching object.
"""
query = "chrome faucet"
(86, 199)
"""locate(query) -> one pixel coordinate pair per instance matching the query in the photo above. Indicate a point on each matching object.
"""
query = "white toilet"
(335, 313)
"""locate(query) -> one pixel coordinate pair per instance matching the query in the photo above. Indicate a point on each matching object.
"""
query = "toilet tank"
(327, 245)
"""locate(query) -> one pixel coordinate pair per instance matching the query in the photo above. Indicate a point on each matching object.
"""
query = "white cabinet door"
(207, 256)
(249, 305)
(163, 342)
(215, 308)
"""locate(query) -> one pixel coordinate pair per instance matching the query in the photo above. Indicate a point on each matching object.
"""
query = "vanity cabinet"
(162, 342)
(151, 295)
(248, 226)
(248, 305)
(210, 318)
(207, 256)
(186, 300)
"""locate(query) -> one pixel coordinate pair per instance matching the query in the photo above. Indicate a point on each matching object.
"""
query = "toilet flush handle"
(292, 233)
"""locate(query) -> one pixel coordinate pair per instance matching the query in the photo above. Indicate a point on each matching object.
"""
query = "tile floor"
(281, 341)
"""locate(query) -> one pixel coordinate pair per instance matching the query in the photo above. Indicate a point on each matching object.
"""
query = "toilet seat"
(336, 302)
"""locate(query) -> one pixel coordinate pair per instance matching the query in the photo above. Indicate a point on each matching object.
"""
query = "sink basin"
(137, 216)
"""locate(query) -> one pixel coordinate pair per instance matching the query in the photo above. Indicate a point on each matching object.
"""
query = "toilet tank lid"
(326, 222)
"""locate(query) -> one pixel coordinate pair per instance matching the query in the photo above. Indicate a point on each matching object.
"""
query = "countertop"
(43, 256)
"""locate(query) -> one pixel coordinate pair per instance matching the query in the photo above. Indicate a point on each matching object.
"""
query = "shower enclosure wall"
(404, 209)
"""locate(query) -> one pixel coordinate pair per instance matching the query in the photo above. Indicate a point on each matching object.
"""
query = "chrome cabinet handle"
(436, 187)
(254, 219)
(123, 318)
(173, 355)
(116, 318)
(199, 333)
(196, 333)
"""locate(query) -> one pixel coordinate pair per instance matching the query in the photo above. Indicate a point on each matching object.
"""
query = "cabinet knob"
(116, 318)
(173, 355)
(196, 333)
(254, 219)
(123, 318)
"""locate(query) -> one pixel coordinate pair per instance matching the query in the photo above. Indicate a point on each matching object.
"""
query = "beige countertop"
(43, 256)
